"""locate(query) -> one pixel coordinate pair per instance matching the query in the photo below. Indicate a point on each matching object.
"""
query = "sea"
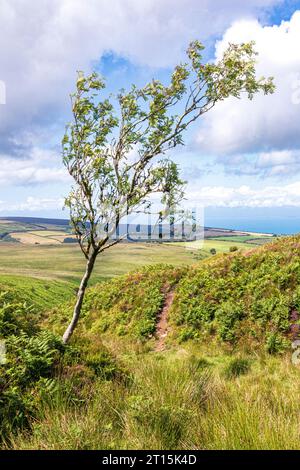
(279, 221)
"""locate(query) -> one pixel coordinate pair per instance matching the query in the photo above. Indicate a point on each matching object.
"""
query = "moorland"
(177, 347)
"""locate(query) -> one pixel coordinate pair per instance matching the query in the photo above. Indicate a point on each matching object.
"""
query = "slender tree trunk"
(80, 296)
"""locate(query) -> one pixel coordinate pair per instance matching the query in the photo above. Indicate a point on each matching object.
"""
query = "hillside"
(248, 298)
(186, 357)
(41, 294)
(244, 299)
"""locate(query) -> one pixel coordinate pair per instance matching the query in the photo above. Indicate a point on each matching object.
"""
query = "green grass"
(67, 262)
(173, 402)
(43, 294)
(220, 245)
(242, 238)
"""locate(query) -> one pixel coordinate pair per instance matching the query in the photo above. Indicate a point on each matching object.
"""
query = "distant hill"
(30, 230)
(37, 220)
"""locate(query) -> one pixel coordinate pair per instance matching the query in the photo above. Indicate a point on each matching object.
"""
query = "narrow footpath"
(162, 323)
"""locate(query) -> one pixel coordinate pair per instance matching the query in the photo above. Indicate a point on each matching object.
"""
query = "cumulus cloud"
(245, 196)
(32, 170)
(44, 43)
(207, 196)
(25, 175)
(268, 124)
(32, 204)
(277, 164)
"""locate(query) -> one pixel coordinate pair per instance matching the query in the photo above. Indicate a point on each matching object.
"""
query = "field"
(53, 260)
(65, 262)
(38, 250)
(41, 237)
(221, 246)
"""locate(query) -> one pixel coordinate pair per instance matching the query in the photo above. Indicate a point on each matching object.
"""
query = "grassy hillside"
(237, 299)
(123, 307)
(224, 379)
(242, 298)
(42, 294)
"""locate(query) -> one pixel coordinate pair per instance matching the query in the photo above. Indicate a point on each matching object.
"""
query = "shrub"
(104, 365)
(15, 315)
(186, 334)
(198, 364)
(275, 343)
(237, 367)
(29, 360)
(296, 298)
(228, 316)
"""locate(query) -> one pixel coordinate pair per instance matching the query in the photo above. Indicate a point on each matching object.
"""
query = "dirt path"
(162, 323)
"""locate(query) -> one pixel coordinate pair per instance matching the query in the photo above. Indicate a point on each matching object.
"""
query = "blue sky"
(242, 158)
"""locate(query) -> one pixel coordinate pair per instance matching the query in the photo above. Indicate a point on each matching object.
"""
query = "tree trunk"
(80, 296)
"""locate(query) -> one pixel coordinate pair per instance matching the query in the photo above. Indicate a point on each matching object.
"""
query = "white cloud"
(268, 123)
(207, 196)
(32, 204)
(245, 196)
(37, 168)
(277, 163)
(27, 175)
(45, 42)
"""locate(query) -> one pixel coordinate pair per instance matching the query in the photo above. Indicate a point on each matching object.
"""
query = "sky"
(241, 160)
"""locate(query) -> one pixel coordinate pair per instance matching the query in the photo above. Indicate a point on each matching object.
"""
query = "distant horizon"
(274, 226)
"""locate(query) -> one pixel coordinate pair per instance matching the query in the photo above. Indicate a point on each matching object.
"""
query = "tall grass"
(177, 400)
(232, 386)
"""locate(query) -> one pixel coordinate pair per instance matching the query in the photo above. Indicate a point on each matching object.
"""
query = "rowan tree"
(116, 147)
